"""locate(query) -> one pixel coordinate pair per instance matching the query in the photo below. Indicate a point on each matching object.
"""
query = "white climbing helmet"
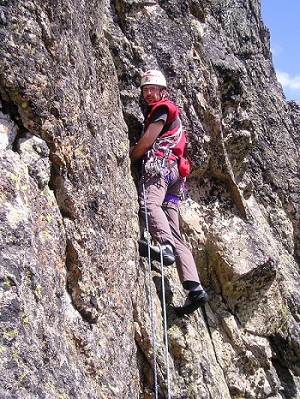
(153, 77)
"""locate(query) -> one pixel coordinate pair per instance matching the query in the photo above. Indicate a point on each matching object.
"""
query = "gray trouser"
(163, 220)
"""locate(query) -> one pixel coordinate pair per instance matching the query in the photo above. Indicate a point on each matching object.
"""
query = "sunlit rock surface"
(75, 317)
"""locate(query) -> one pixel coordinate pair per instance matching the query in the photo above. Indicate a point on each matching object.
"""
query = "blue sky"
(282, 17)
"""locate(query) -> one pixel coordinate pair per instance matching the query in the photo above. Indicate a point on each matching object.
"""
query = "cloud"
(287, 81)
(276, 49)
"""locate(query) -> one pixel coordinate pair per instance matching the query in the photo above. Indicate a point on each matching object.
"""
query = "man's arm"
(146, 141)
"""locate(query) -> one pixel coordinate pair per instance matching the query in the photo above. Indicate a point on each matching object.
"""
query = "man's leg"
(155, 187)
(185, 264)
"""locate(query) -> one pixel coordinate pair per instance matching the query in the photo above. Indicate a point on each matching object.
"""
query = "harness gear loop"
(165, 321)
(150, 289)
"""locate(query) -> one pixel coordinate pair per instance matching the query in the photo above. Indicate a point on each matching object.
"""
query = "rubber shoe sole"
(192, 303)
(168, 257)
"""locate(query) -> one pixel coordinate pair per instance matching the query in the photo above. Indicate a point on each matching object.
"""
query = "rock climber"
(161, 147)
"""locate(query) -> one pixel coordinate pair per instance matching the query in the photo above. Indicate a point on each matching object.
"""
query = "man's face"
(151, 93)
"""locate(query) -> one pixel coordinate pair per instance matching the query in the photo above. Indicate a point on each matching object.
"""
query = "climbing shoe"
(195, 300)
(167, 251)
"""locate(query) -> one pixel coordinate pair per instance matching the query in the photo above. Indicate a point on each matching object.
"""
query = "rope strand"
(150, 292)
(151, 303)
(165, 322)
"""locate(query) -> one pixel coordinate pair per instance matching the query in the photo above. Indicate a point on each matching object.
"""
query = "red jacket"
(172, 139)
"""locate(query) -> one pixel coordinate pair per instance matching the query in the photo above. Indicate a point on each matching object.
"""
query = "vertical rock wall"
(68, 208)
(75, 319)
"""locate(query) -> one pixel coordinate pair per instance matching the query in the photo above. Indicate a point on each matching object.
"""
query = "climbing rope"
(151, 304)
(150, 292)
(165, 322)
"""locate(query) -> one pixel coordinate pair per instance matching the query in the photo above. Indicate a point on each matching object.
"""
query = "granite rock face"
(75, 317)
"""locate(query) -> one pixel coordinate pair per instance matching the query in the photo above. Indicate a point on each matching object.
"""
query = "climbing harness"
(158, 156)
(151, 303)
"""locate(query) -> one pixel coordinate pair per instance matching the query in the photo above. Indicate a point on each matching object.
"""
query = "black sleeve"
(160, 114)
